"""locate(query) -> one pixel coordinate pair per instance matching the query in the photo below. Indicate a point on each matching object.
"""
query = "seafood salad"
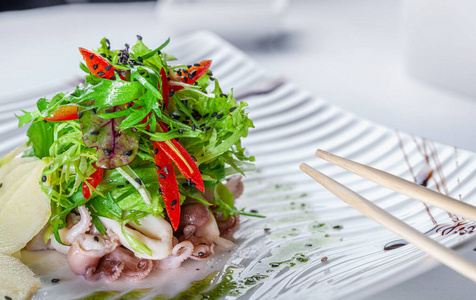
(137, 168)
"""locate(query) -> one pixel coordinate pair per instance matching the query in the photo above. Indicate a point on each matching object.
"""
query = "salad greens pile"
(101, 140)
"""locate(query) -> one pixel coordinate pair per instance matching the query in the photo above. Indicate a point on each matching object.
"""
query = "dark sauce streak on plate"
(460, 226)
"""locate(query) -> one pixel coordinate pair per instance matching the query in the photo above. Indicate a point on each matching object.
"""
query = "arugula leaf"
(41, 135)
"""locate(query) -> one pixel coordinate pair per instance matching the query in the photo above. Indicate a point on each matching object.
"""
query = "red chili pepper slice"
(193, 74)
(98, 65)
(94, 181)
(64, 113)
(182, 159)
(168, 185)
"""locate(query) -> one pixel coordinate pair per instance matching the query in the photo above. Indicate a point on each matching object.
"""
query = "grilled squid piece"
(154, 232)
(211, 232)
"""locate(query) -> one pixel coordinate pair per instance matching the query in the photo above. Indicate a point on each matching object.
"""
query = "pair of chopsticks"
(442, 254)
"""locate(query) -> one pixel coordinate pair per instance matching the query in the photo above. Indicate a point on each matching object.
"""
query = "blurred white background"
(356, 54)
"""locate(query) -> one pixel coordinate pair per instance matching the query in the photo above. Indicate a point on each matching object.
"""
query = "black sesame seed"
(196, 65)
(194, 127)
(171, 94)
(113, 78)
(189, 66)
(120, 186)
(127, 182)
(55, 280)
(156, 150)
(254, 211)
(158, 167)
(208, 128)
(219, 116)
(160, 191)
(212, 78)
(128, 152)
(193, 157)
(189, 181)
(274, 265)
(95, 67)
(80, 115)
(185, 71)
(232, 109)
(192, 184)
(172, 115)
(96, 238)
(180, 131)
(8, 298)
(139, 58)
(308, 245)
(197, 117)
(91, 56)
(107, 68)
(159, 52)
(185, 79)
(201, 254)
(103, 55)
(205, 115)
(214, 114)
(95, 133)
(223, 95)
(43, 178)
(127, 45)
(162, 176)
(139, 37)
(179, 72)
(106, 152)
(107, 111)
(173, 203)
(190, 75)
(101, 73)
(93, 111)
(166, 170)
(203, 124)
(1, 184)
(168, 78)
(138, 180)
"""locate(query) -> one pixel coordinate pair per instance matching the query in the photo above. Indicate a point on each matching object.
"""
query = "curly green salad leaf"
(118, 117)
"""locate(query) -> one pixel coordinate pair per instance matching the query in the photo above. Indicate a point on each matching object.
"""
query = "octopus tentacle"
(180, 252)
(202, 248)
(82, 226)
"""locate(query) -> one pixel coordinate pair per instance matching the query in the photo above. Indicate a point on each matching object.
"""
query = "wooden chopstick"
(402, 186)
(442, 254)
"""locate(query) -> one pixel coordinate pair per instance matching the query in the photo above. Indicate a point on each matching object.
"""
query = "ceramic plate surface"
(311, 245)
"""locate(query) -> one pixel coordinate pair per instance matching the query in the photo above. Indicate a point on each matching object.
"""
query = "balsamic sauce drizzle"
(429, 152)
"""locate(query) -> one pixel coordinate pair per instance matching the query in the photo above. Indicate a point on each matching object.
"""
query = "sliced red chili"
(64, 113)
(182, 159)
(193, 74)
(168, 185)
(94, 181)
(98, 66)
